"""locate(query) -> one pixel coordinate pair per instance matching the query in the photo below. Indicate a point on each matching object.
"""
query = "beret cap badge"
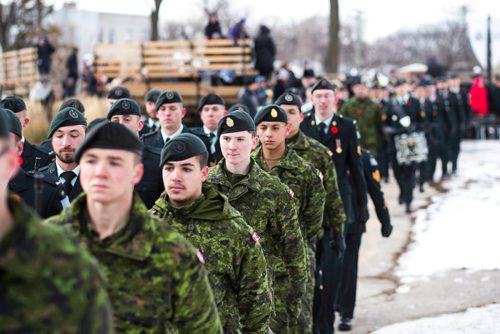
(229, 122)
(73, 114)
(118, 92)
(288, 98)
(125, 105)
(179, 147)
(170, 95)
(274, 113)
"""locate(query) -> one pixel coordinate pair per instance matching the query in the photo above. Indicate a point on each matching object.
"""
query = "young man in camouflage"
(155, 280)
(267, 206)
(319, 156)
(306, 183)
(47, 283)
(234, 258)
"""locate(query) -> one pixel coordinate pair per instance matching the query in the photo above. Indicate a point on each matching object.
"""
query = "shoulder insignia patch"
(320, 176)
(199, 255)
(255, 237)
(292, 194)
(330, 153)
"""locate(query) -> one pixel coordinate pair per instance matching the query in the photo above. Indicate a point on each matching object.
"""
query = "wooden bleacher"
(186, 66)
(19, 71)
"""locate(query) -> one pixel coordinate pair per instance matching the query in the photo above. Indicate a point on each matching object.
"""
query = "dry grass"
(38, 128)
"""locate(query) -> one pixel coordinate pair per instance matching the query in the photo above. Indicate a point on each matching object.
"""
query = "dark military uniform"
(23, 184)
(457, 119)
(151, 186)
(349, 277)
(215, 154)
(439, 125)
(234, 258)
(51, 171)
(382, 141)
(156, 282)
(155, 139)
(367, 115)
(31, 152)
(341, 139)
(267, 206)
(48, 283)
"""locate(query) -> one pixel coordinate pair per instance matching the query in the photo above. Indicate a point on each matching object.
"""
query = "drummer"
(401, 119)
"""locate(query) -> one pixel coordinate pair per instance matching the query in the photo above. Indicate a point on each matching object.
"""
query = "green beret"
(271, 113)
(124, 107)
(170, 96)
(110, 135)
(96, 121)
(399, 82)
(239, 107)
(73, 103)
(323, 84)
(235, 122)
(289, 99)
(14, 103)
(182, 147)
(209, 99)
(152, 95)
(66, 117)
(12, 122)
(4, 130)
(118, 92)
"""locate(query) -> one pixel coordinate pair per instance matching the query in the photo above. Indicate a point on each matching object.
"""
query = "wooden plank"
(156, 44)
(221, 58)
(221, 67)
(159, 52)
(169, 75)
(236, 50)
(164, 67)
(221, 42)
(153, 60)
(118, 52)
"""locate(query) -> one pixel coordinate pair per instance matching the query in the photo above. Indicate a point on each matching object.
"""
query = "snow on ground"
(461, 228)
(483, 320)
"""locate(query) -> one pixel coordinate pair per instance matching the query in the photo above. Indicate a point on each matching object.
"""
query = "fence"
(19, 71)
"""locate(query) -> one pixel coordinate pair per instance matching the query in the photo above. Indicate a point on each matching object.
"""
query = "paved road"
(379, 304)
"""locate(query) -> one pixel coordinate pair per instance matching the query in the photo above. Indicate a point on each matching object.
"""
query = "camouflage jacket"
(307, 189)
(267, 206)
(48, 284)
(155, 280)
(367, 115)
(319, 156)
(234, 258)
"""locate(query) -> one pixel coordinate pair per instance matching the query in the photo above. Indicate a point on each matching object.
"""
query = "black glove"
(363, 215)
(386, 230)
(337, 244)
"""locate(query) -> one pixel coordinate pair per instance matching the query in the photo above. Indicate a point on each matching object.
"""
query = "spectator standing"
(264, 52)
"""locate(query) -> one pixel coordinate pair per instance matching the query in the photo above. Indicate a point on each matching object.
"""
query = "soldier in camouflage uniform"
(234, 258)
(156, 282)
(306, 183)
(47, 283)
(267, 206)
(366, 113)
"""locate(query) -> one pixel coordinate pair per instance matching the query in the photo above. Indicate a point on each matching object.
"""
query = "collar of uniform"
(284, 162)
(15, 248)
(298, 142)
(178, 132)
(251, 180)
(208, 132)
(60, 170)
(133, 241)
(326, 121)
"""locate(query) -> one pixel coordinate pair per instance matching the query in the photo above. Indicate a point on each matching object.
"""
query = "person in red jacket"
(478, 95)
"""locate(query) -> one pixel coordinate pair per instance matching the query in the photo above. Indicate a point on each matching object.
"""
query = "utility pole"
(358, 40)
(488, 49)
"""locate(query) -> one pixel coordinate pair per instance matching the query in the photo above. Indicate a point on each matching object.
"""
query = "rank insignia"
(229, 122)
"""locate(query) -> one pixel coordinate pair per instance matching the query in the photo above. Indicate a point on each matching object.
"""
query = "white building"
(84, 29)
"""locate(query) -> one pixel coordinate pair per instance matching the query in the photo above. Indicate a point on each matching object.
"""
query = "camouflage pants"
(279, 322)
(305, 320)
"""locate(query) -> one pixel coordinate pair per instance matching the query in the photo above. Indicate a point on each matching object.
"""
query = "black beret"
(96, 122)
(288, 98)
(12, 122)
(239, 107)
(182, 147)
(323, 84)
(124, 107)
(211, 98)
(110, 135)
(73, 103)
(355, 80)
(66, 117)
(170, 96)
(271, 113)
(152, 95)
(14, 103)
(4, 130)
(118, 92)
(235, 122)
(399, 82)
(308, 73)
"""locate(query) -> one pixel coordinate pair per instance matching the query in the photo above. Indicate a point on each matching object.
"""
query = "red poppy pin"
(334, 130)
(359, 112)
(408, 103)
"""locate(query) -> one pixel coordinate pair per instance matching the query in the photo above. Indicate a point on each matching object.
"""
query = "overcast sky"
(381, 17)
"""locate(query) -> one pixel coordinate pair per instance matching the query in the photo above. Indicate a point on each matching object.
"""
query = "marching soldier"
(23, 184)
(30, 151)
(423, 117)
(66, 133)
(127, 112)
(47, 282)
(156, 282)
(457, 118)
(382, 98)
(448, 106)
(235, 262)
(306, 183)
(211, 108)
(267, 206)
(339, 134)
(354, 233)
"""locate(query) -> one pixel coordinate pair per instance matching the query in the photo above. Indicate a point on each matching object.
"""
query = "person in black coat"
(213, 29)
(264, 52)
(349, 278)
(45, 51)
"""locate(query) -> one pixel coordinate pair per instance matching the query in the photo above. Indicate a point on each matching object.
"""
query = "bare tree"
(155, 17)
(332, 56)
